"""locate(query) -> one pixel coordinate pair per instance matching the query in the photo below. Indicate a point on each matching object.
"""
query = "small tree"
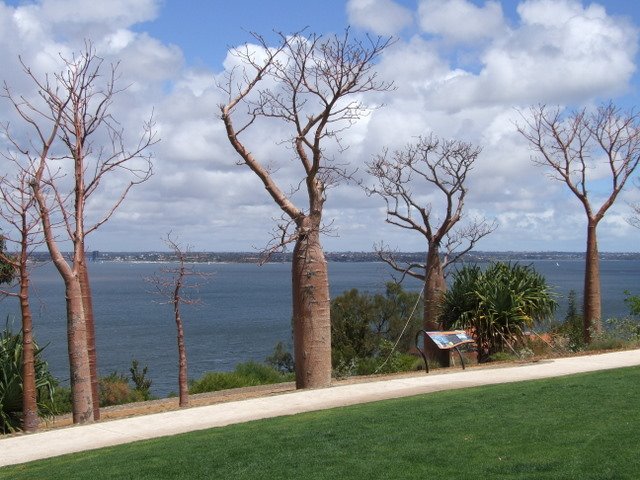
(444, 166)
(578, 149)
(363, 325)
(314, 86)
(72, 111)
(497, 304)
(17, 209)
(172, 284)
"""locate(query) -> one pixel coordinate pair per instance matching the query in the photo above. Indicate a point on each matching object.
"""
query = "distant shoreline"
(254, 257)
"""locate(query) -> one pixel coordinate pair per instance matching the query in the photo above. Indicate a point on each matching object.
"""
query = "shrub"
(244, 375)
(141, 383)
(497, 305)
(281, 359)
(115, 390)
(11, 381)
(361, 323)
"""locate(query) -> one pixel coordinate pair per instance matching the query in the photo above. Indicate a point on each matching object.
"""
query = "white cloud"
(462, 76)
(382, 17)
(460, 21)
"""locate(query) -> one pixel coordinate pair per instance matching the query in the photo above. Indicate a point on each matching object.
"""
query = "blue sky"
(462, 70)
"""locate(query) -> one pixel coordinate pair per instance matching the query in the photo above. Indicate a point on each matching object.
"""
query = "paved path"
(25, 448)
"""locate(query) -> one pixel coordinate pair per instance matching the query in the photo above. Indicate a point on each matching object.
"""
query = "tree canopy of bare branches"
(575, 148)
(172, 283)
(73, 147)
(443, 165)
(313, 85)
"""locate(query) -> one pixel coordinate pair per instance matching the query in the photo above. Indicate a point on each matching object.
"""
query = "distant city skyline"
(462, 69)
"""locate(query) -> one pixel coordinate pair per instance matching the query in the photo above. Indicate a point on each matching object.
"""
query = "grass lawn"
(580, 427)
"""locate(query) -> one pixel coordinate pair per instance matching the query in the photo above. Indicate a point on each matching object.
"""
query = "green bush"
(116, 390)
(281, 359)
(11, 381)
(244, 375)
(362, 324)
(497, 305)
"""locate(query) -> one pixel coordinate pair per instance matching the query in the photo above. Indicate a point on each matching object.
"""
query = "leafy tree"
(633, 302)
(362, 323)
(497, 304)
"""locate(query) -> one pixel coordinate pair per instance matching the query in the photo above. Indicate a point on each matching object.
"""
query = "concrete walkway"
(25, 448)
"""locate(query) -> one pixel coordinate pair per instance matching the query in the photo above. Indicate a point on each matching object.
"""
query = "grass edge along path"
(584, 426)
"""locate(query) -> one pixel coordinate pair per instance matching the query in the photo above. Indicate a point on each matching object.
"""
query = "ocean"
(245, 310)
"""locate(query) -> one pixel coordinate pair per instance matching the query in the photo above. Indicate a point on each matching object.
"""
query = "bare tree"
(17, 209)
(443, 165)
(634, 220)
(173, 284)
(577, 148)
(66, 122)
(315, 86)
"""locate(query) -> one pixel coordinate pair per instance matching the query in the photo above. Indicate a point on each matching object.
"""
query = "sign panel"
(449, 340)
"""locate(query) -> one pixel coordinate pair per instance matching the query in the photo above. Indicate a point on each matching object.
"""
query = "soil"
(210, 398)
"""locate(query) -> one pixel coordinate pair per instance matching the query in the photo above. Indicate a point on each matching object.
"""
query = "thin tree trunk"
(592, 309)
(80, 372)
(434, 288)
(87, 304)
(311, 312)
(29, 393)
(183, 385)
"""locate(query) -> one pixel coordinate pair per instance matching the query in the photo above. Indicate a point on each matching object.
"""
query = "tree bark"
(80, 373)
(87, 304)
(183, 385)
(434, 288)
(29, 392)
(592, 308)
(311, 307)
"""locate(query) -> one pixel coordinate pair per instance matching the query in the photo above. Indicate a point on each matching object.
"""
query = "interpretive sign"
(449, 340)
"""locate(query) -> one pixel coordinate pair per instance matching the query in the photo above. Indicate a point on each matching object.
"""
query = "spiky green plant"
(497, 304)
(11, 381)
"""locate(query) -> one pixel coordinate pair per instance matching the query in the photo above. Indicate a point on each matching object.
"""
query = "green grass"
(579, 427)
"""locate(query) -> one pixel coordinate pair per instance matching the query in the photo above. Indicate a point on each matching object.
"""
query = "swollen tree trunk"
(87, 304)
(434, 288)
(311, 307)
(183, 385)
(80, 373)
(29, 393)
(592, 309)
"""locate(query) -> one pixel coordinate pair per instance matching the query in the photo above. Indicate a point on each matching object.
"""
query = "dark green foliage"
(497, 305)
(633, 302)
(364, 325)
(281, 359)
(539, 430)
(245, 375)
(141, 383)
(11, 381)
(571, 328)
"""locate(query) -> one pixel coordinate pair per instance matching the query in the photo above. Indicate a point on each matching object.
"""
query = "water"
(245, 311)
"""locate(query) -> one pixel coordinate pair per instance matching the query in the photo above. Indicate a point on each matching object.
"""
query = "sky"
(462, 70)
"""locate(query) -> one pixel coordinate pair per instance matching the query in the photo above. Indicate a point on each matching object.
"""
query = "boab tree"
(315, 86)
(66, 165)
(173, 284)
(401, 177)
(17, 210)
(580, 149)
